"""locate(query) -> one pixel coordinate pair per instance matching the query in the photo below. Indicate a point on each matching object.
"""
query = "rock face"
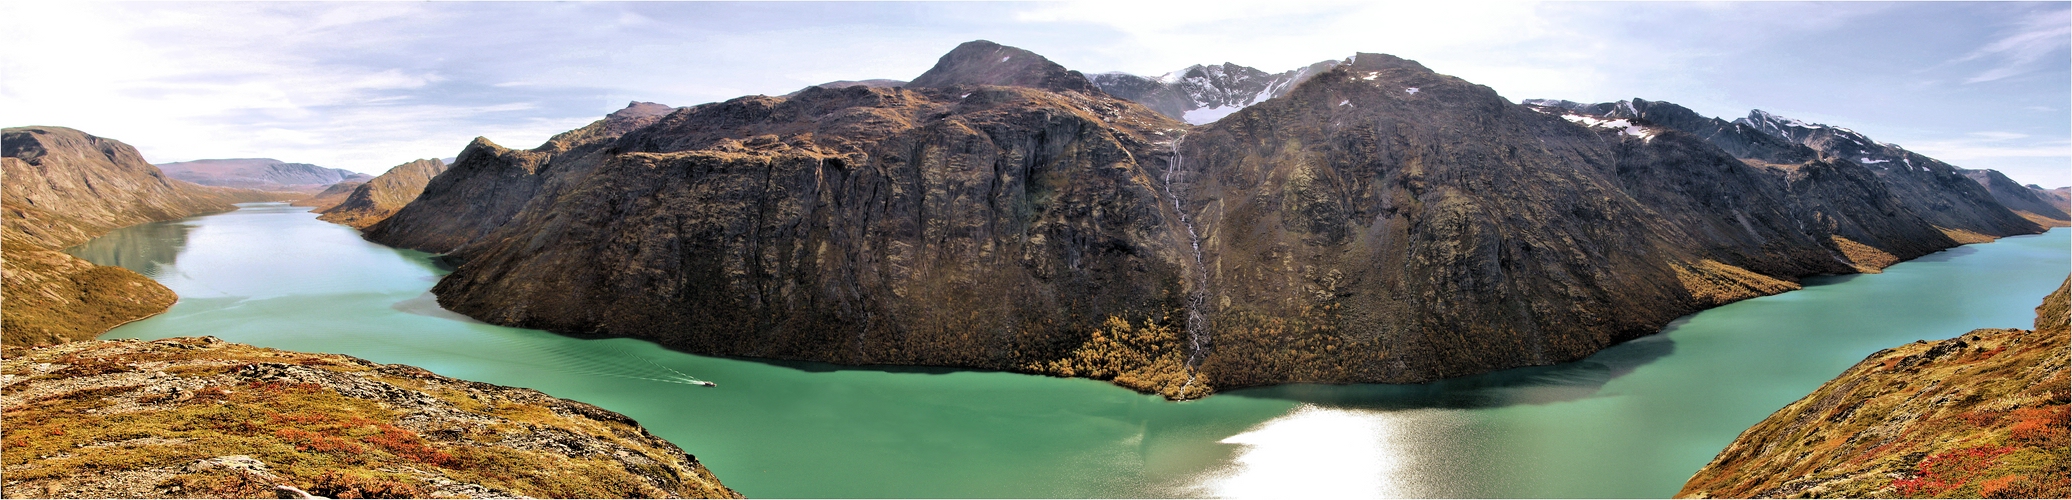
(201, 418)
(265, 174)
(381, 197)
(331, 196)
(1377, 223)
(2031, 203)
(1204, 93)
(61, 188)
(1982, 415)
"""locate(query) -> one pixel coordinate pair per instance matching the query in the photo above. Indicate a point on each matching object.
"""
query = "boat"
(708, 384)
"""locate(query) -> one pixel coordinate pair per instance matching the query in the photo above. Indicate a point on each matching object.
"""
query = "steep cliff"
(201, 418)
(381, 197)
(1378, 222)
(1982, 415)
(60, 187)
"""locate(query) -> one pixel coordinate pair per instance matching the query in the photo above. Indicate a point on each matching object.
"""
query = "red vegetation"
(1941, 473)
(408, 445)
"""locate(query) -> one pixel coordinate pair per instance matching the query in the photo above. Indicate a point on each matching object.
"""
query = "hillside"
(60, 187)
(201, 418)
(331, 196)
(376, 199)
(1982, 415)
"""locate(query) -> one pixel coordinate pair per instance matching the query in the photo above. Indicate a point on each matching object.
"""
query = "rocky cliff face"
(2031, 203)
(202, 418)
(1377, 223)
(265, 174)
(62, 187)
(1982, 415)
(377, 199)
(1204, 93)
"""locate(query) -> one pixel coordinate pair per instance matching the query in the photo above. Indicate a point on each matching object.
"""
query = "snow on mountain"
(1205, 93)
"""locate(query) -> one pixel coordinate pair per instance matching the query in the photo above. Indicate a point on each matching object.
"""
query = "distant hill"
(331, 196)
(260, 173)
(381, 197)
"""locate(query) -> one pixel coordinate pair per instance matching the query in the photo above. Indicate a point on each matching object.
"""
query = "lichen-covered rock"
(1982, 415)
(199, 417)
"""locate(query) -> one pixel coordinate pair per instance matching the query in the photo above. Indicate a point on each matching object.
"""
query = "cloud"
(2019, 52)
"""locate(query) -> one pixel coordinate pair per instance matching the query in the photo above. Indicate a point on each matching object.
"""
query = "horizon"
(367, 86)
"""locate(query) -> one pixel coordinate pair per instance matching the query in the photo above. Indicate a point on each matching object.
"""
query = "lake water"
(1633, 421)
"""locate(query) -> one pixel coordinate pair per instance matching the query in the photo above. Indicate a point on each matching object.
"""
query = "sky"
(368, 85)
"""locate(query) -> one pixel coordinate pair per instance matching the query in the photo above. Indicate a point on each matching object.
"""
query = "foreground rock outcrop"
(1378, 222)
(201, 418)
(382, 196)
(1982, 415)
(60, 187)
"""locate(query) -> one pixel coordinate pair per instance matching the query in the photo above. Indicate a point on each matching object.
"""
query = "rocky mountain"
(331, 196)
(264, 174)
(1931, 190)
(2033, 203)
(1982, 415)
(1204, 93)
(198, 417)
(1378, 222)
(842, 84)
(60, 187)
(376, 199)
(1935, 190)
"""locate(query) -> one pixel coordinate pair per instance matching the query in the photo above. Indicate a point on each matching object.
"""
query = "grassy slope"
(1980, 415)
(177, 417)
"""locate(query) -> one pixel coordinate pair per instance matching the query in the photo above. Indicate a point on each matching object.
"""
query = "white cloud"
(2018, 52)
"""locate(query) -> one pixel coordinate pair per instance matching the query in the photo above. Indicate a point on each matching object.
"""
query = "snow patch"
(1868, 161)
(1207, 115)
(1412, 90)
(1004, 59)
(1624, 126)
(1344, 102)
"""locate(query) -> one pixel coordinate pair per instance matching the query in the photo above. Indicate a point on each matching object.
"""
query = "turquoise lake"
(1632, 421)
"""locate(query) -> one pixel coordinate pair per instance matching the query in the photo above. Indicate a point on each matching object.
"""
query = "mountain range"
(371, 201)
(1360, 220)
(264, 174)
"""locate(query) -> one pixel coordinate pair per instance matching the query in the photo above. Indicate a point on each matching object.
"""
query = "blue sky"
(368, 85)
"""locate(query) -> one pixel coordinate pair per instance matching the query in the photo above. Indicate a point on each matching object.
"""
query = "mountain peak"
(1367, 61)
(981, 62)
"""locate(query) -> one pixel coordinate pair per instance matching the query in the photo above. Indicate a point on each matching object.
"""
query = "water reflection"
(1529, 386)
(1318, 452)
(147, 249)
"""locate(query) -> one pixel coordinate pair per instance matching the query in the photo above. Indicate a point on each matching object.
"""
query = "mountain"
(1204, 93)
(376, 199)
(264, 174)
(1378, 222)
(2031, 203)
(197, 417)
(842, 84)
(1935, 192)
(331, 196)
(1982, 415)
(974, 63)
(61, 188)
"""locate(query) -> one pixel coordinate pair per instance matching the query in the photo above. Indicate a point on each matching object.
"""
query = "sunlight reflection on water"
(1315, 452)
